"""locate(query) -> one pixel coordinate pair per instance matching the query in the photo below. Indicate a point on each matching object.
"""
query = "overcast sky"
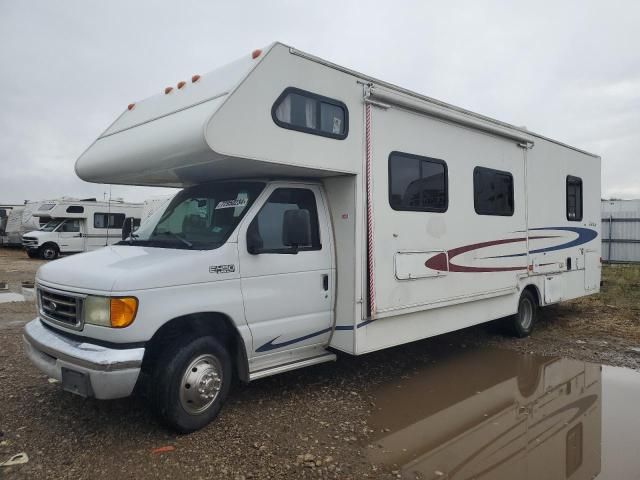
(567, 70)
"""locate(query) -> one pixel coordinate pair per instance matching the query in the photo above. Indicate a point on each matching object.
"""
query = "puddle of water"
(494, 414)
(6, 297)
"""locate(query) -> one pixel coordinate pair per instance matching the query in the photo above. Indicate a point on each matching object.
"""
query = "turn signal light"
(256, 53)
(123, 311)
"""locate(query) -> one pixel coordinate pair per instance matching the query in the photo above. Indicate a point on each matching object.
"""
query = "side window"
(268, 232)
(70, 226)
(417, 183)
(492, 192)
(307, 112)
(574, 198)
(108, 220)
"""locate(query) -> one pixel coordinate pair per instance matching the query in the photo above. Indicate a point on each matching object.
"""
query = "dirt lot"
(311, 423)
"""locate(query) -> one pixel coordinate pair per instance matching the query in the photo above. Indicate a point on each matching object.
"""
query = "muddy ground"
(311, 423)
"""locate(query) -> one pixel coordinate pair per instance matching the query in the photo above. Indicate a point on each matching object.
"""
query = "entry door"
(70, 236)
(287, 296)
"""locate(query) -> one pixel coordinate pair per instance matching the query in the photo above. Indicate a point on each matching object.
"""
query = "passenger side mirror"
(296, 229)
(127, 227)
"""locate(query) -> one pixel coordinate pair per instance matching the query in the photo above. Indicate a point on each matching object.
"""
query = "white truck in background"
(323, 210)
(73, 226)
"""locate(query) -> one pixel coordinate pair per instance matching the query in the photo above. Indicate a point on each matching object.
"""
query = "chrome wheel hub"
(201, 383)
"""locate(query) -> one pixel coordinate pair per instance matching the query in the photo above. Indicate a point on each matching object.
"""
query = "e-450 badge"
(222, 268)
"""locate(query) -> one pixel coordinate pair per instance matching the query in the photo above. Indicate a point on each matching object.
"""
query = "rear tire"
(523, 321)
(191, 382)
(49, 252)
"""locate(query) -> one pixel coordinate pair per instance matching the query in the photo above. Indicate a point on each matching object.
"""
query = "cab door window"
(268, 230)
(70, 226)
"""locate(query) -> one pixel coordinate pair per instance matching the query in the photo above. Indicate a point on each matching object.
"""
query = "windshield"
(199, 218)
(51, 225)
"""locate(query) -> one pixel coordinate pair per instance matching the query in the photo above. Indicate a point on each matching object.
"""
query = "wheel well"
(534, 291)
(50, 244)
(215, 324)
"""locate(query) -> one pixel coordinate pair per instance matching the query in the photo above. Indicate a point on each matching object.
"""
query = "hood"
(124, 268)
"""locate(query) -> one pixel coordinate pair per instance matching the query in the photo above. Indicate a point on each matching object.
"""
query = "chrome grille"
(29, 241)
(62, 308)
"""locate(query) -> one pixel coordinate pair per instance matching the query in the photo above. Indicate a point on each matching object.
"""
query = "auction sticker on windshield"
(239, 202)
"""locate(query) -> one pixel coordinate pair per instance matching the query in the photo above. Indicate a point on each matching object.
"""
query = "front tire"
(191, 382)
(523, 321)
(49, 252)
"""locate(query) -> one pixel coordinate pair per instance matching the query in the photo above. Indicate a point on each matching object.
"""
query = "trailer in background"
(19, 221)
(73, 226)
(621, 231)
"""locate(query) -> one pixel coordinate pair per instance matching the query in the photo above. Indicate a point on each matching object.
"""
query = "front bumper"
(83, 368)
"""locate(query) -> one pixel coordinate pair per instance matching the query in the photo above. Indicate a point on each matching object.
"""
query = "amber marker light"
(123, 311)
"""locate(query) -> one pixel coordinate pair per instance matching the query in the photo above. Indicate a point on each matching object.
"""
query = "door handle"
(325, 282)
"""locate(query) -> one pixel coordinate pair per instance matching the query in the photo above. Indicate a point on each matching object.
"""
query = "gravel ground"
(310, 423)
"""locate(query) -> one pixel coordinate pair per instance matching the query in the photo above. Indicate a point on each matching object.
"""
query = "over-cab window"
(307, 112)
(75, 209)
(108, 220)
(574, 198)
(267, 232)
(417, 183)
(492, 192)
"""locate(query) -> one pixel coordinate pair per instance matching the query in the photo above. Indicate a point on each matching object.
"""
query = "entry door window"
(267, 228)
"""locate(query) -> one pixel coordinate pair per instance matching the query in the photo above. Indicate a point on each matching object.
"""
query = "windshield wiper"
(175, 235)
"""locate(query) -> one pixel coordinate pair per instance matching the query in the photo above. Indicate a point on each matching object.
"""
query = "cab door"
(70, 236)
(287, 289)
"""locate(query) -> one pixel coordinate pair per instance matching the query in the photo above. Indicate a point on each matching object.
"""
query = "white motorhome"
(20, 220)
(322, 211)
(73, 226)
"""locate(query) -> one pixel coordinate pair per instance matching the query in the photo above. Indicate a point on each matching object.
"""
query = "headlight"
(115, 312)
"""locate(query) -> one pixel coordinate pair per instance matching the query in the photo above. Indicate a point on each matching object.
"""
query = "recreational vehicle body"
(322, 211)
(20, 220)
(73, 226)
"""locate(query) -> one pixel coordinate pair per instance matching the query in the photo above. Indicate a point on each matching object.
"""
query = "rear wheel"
(49, 252)
(191, 382)
(523, 321)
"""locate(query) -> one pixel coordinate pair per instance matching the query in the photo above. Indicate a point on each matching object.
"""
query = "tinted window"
(70, 226)
(108, 220)
(492, 192)
(417, 183)
(310, 113)
(267, 228)
(75, 209)
(574, 198)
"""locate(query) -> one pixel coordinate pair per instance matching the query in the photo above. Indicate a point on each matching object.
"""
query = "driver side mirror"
(296, 229)
(127, 227)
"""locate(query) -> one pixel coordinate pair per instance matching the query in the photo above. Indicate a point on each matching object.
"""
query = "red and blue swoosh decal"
(439, 261)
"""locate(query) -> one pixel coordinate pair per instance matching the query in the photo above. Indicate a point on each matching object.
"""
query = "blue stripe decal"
(585, 235)
(272, 346)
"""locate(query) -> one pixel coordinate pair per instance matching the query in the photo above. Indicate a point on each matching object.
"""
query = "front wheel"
(523, 321)
(49, 252)
(191, 383)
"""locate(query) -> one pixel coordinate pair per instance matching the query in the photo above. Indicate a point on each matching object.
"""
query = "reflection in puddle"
(6, 297)
(493, 414)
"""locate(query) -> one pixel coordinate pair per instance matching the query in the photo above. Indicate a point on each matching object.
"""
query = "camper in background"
(74, 226)
(20, 220)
